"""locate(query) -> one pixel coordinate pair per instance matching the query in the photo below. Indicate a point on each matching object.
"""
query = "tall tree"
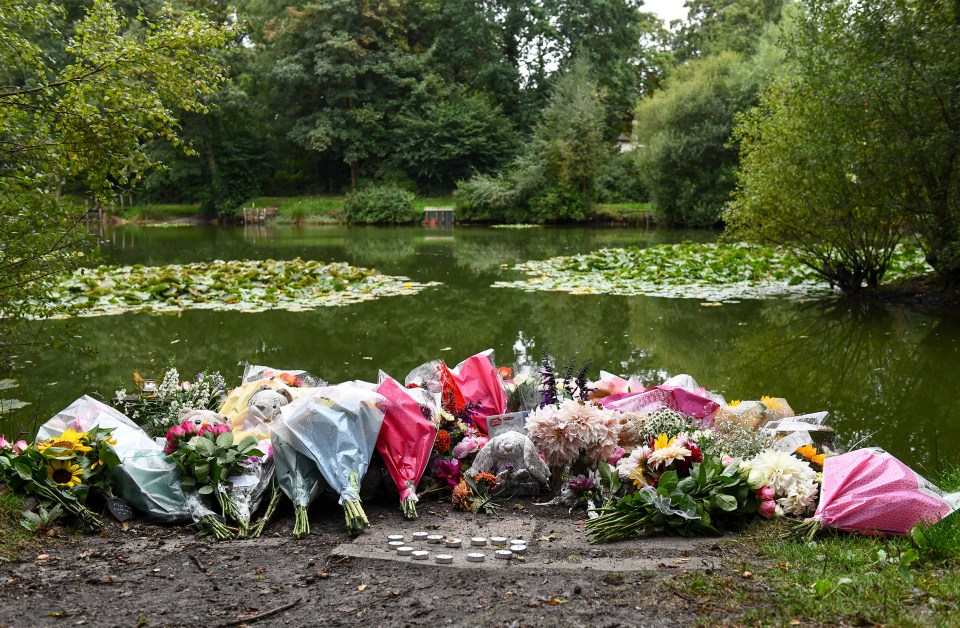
(715, 26)
(83, 116)
(862, 133)
(347, 68)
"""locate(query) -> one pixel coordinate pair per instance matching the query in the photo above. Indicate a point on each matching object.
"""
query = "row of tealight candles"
(397, 542)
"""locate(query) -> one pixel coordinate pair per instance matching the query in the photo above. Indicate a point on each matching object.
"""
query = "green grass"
(837, 579)
(627, 208)
(14, 538)
(161, 211)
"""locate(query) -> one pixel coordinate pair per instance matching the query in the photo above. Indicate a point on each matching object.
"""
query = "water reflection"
(889, 370)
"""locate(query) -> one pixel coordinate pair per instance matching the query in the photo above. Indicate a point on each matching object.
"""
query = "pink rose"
(765, 493)
(186, 386)
(726, 460)
(767, 508)
(175, 433)
(4, 443)
(20, 446)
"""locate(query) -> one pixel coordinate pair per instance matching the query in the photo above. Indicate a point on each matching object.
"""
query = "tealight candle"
(476, 557)
(434, 538)
(405, 550)
(444, 559)
(505, 554)
(420, 536)
(421, 555)
(395, 544)
(452, 542)
(517, 542)
(518, 549)
(478, 540)
(498, 540)
(395, 537)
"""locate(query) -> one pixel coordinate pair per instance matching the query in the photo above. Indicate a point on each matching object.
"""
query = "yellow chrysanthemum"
(662, 441)
(64, 473)
(638, 480)
(772, 403)
(810, 453)
(734, 403)
(75, 442)
(110, 440)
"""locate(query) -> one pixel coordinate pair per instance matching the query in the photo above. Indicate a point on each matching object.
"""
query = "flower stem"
(268, 513)
(301, 525)
(409, 508)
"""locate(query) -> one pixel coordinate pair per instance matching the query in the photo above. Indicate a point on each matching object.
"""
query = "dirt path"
(146, 575)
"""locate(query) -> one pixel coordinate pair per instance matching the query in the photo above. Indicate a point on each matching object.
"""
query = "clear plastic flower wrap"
(246, 489)
(336, 427)
(300, 480)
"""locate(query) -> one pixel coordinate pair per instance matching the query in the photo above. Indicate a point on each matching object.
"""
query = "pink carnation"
(765, 493)
(767, 508)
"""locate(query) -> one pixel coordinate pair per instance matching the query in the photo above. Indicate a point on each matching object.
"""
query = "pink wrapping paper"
(679, 399)
(868, 490)
(406, 438)
(477, 379)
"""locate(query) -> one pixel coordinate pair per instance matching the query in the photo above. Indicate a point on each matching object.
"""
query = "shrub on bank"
(380, 204)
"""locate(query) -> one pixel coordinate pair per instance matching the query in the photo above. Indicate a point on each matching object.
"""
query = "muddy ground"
(140, 574)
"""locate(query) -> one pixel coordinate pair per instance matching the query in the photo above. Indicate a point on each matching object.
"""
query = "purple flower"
(581, 483)
(446, 470)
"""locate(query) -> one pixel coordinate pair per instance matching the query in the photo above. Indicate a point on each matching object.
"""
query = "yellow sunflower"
(734, 403)
(70, 440)
(810, 453)
(64, 473)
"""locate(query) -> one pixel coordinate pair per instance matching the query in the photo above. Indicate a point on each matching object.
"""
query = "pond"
(887, 374)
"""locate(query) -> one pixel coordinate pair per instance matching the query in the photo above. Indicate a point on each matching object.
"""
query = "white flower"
(628, 464)
(121, 394)
(778, 470)
(665, 455)
(799, 499)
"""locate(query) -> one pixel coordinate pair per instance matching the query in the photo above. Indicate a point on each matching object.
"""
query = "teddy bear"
(513, 457)
(265, 404)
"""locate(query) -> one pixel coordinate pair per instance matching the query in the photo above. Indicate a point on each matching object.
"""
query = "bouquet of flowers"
(792, 481)
(405, 442)
(336, 427)
(208, 457)
(709, 498)
(300, 479)
(62, 470)
(157, 407)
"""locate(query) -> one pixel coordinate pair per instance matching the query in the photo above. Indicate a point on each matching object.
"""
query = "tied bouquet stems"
(257, 530)
(409, 503)
(207, 458)
(356, 518)
(211, 527)
(299, 479)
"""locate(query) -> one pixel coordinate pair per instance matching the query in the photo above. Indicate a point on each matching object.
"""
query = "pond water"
(887, 374)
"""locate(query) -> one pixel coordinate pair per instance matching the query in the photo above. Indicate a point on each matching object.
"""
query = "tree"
(715, 26)
(555, 176)
(347, 69)
(861, 135)
(83, 117)
(684, 136)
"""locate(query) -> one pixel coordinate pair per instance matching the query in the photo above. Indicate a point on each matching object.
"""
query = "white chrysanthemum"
(778, 470)
(799, 499)
(628, 464)
(549, 433)
(665, 455)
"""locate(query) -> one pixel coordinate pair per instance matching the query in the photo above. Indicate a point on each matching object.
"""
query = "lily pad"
(242, 285)
(9, 405)
(711, 273)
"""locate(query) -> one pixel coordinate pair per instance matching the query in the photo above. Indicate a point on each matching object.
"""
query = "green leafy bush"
(620, 181)
(380, 204)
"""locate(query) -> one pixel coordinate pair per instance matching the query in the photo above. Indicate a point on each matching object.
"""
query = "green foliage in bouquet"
(62, 472)
(207, 459)
(711, 498)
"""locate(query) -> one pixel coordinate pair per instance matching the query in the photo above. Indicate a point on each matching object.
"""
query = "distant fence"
(258, 214)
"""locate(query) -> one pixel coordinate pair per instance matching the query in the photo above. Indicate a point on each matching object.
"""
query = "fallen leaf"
(361, 587)
(554, 601)
(747, 575)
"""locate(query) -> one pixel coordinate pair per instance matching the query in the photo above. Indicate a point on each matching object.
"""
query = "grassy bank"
(14, 538)
(841, 579)
(328, 209)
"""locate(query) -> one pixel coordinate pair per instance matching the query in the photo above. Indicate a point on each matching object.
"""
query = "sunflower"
(71, 441)
(64, 473)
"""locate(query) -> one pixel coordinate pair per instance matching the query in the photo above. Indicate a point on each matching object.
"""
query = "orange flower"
(489, 478)
(810, 453)
(504, 372)
(442, 444)
(461, 496)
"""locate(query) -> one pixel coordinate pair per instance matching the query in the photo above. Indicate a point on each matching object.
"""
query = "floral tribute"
(669, 458)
